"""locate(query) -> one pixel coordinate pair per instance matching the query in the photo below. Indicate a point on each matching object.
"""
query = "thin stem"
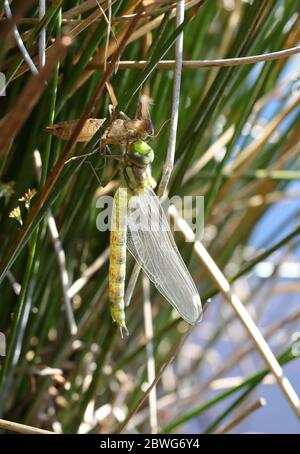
(148, 322)
(132, 283)
(169, 163)
(254, 406)
(60, 255)
(42, 34)
(88, 273)
(52, 105)
(109, 28)
(235, 404)
(22, 428)
(19, 40)
(14, 283)
(196, 64)
(64, 277)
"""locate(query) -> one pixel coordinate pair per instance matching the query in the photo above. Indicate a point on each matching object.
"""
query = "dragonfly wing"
(151, 243)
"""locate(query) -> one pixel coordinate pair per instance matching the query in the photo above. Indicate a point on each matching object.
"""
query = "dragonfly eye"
(140, 153)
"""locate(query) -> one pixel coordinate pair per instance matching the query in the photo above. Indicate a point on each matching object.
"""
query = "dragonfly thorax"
(137, 171)
(138, 179)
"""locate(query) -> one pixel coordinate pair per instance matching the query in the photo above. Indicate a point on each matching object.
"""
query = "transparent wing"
(151, 243)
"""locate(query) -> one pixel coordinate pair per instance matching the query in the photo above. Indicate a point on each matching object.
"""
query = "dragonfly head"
(140, 153)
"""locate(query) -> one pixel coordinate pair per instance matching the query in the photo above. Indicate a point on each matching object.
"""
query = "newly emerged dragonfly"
(139, 223)
(149, 240)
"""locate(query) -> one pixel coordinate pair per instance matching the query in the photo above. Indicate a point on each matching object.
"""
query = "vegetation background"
(66, 367)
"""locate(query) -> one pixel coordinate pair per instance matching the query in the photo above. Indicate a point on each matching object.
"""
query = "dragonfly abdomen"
(117, 263)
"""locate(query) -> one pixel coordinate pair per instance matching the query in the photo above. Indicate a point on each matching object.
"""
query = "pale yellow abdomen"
(117, 262)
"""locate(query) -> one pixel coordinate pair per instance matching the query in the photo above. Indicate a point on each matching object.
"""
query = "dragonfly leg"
(108, 150)
(98, 179)
(95, 173)
(74, 158)
(104, 155)
(125, 330)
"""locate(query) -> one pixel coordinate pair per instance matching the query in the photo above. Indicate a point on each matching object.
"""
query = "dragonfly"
(140, 225)
(138, 222)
